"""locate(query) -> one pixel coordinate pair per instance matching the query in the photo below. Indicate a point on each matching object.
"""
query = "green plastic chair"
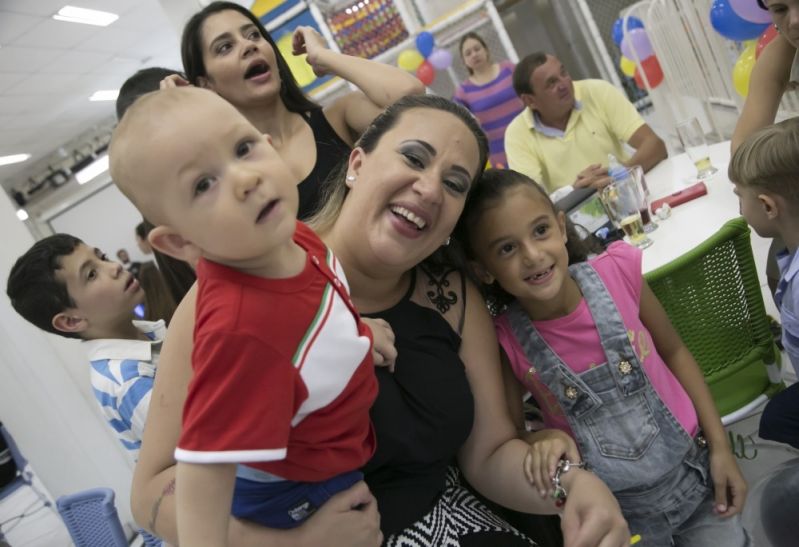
(712, 296)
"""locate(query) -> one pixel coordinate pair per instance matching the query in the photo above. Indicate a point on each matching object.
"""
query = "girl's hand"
(728, 482)
(547, 447)
(384, 353)
(591, 515)
(173, 80)
(307, 40)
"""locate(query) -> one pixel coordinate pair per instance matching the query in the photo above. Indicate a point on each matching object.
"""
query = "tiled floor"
(25, 520)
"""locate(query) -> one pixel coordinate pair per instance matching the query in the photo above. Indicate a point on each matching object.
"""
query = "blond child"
(283, 376)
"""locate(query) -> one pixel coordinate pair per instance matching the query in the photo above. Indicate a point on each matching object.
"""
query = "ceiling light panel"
(73, 14)
(14, 158)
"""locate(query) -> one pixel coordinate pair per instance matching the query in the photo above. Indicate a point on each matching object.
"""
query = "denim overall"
(624, 431)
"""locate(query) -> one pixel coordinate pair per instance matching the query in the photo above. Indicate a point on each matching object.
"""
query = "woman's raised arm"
(769, 81)
(380, 84)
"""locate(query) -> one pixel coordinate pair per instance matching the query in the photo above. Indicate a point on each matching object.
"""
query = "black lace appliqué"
(440, 293)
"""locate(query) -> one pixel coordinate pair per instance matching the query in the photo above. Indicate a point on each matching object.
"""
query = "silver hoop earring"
(446, 243)
(350, 178)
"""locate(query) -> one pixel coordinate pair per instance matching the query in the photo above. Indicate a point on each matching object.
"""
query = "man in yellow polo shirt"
(567, 130)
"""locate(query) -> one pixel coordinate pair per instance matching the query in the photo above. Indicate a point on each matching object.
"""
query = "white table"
(693, 222)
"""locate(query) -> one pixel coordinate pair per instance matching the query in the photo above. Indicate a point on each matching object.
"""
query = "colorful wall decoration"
(267, 10)
(366, 28)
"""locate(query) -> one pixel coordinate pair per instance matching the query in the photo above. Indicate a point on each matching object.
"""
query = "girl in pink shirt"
(614, 381)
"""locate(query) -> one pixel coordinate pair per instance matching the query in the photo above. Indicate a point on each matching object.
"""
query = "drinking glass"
(693, 140)
(636, 172)
(622, 199)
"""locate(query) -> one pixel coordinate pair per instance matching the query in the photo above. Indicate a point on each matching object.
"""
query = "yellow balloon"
(409, 60)
(742, 70)
(627, 66)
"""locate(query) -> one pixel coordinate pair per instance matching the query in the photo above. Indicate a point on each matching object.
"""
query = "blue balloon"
(618, 33)
(425, 43)
(730, 25)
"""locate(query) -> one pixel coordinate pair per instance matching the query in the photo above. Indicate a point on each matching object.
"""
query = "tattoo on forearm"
(168, 490)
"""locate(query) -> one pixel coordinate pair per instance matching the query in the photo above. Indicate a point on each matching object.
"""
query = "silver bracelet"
(559, 492)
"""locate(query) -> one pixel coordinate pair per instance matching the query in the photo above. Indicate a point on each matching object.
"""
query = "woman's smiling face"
(409, 192)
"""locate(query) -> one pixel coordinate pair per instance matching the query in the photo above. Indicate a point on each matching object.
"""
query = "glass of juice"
(693, 140)
(637, 174)
(623, 199)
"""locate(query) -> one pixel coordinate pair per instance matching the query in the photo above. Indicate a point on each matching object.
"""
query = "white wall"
(45, 396)
(106, 220)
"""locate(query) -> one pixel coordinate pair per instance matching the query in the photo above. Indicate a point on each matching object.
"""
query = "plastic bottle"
(616, 170)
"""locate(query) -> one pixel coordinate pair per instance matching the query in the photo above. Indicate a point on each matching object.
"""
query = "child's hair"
(142, 82)
(487, 192)
(769, 159)
(33, 288)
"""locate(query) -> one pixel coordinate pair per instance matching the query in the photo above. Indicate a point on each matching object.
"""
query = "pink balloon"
(749, 10)
(636, 44)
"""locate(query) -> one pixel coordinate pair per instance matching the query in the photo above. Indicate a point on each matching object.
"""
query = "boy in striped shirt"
(66, 287)
(283, 375)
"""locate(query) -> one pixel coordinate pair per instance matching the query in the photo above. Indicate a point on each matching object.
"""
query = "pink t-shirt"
(575, 340)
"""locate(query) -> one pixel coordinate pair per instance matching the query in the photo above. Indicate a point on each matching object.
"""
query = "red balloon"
(654, 74)
(768, 35)
(426, 73)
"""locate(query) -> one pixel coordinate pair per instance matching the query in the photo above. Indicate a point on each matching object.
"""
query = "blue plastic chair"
(91, 518)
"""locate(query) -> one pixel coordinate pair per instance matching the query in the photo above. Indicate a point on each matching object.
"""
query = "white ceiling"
(49, 68)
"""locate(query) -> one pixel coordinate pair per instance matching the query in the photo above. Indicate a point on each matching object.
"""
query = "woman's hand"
(591, 515)
(337, 522)
(728, 482)
(307, 40)
(173, 80)
(384, 353)
(348, 518)
(547, 447)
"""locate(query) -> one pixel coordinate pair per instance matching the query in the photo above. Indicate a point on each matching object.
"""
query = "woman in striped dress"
(488, 93)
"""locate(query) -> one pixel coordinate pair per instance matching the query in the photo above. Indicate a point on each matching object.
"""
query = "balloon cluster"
(743, 20)
(635, 44)
(425, 59)
(738, 19)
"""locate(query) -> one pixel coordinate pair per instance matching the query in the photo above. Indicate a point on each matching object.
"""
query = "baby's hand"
(547, 447)
(383, 351)
(728, 482)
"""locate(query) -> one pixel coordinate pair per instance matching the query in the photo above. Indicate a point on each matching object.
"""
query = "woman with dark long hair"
(225, 48)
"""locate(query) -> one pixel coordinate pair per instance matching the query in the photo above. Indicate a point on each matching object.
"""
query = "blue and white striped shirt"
(122, 375)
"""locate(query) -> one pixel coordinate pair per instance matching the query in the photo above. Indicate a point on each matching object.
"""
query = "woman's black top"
(331, 151)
